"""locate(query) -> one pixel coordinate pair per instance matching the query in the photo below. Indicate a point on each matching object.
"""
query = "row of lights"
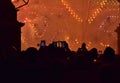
(112, 2)
(97, 11)
(71, 11)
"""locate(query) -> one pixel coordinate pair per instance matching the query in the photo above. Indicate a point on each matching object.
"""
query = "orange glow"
(75, 21)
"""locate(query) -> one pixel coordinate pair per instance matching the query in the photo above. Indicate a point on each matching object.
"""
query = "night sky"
(75, 21)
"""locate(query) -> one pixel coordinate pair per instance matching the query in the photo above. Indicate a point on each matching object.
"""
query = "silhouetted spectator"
(109, 55)
(30, 54)
(93, 54)
(107, 66)
(84, 49)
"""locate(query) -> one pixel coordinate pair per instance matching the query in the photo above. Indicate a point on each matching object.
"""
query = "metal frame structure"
(25, 3)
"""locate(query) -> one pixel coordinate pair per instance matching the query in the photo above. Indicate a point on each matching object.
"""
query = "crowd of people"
(50, 64)
(61, 65)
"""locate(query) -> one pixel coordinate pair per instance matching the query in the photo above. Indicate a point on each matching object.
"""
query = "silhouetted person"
(93, 54)
(109, 55)
(83, 50)
(107, 65)
(29, 56)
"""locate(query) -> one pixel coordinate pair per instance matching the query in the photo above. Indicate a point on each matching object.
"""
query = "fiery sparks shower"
(75, 21)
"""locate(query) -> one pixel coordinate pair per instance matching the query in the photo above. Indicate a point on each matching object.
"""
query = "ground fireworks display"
(74, 21)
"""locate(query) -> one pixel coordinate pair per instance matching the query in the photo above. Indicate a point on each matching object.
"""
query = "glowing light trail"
(97, 11)
(71, 11)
